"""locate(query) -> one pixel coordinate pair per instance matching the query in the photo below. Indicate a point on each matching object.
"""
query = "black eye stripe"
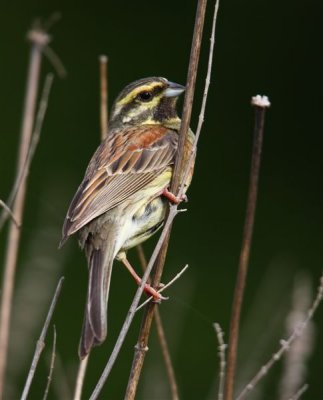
(147, 95)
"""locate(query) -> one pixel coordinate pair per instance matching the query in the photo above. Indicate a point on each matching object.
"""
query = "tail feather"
(94, 329)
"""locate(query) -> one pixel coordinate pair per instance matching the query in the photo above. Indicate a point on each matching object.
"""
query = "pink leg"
(147, 288)
(172, 198)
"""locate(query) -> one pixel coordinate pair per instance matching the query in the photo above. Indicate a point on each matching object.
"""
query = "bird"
(122, 200)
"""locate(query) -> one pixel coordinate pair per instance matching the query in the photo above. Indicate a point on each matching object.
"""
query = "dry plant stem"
(161, 336)
(80, 378)
(204, 99)
(103, 60)
(103, 67)
(176, 277)
(17, 209)
(284, 344)
(299, 393)
(41, 341)
(10, 213)
(166, 355)
(51, 368)
(33, 143)
(189, 93)
(177, 185)
(222, 347)
(245, 251)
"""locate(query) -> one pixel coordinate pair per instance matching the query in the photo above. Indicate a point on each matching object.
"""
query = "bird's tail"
(94, 329)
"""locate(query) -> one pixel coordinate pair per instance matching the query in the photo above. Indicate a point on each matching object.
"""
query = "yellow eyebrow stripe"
(137, 90)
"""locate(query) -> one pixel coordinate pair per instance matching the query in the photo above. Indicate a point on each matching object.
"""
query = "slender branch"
(180, 174)
(103, 64)
(204, 99)
(176, 277)
(222, 347)
(166, 356)
(41, 341)
(55, 61)
(103, 95)
(260, 109)
(10, 213)
(18, 206)
(161, 336)
(299, 393)
(80, 378)
(52, 363)
(285, 344)
(23, 174)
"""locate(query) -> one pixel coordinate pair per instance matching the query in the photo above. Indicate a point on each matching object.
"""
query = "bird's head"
(147, 101)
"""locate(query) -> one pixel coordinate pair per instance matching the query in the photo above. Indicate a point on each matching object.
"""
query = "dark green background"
(266, 47)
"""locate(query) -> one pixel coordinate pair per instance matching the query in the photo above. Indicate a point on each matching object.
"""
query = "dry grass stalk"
(9, 212)
(41, 341)
(222, 347)
(51, 367)
(161, 337)
(260, 104)
(285, 344)
(103, 61)
(80, 378)
(39, 40)
(103, 72)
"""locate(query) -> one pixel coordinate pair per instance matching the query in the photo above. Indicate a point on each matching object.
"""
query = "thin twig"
(103, 64)
(52, 363)
(41, 341)
(285, 344)
(18, 206)
(23, 174)
(222, 347)
(161, 336)
(103, 60)
(4, 205)
(80, 378)
(166, 356)
(55, 61)
(204, 99)
(180, 173)
(295, 366)
(260, 109)
(299, 393)
(176, 277)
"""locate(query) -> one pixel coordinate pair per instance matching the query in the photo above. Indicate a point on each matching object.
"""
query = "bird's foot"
(150, 291)
(172, 198)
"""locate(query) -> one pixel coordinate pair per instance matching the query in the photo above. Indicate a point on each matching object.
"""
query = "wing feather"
(124, 163)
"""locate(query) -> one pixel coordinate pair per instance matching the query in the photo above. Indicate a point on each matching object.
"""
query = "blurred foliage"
(263, 47)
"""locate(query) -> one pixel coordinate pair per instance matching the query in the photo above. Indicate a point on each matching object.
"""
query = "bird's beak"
(174, 89)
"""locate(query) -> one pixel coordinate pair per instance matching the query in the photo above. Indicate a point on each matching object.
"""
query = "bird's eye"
(145, 96)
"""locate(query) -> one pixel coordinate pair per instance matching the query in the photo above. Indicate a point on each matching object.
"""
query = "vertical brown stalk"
(161, 337)
(103, 75)
(39, 40)
(260, 108)
(142, 343)
(103, 60)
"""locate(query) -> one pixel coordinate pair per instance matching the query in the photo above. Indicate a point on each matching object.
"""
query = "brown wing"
(122, 165)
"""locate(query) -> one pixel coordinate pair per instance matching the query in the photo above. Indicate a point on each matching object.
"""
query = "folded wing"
(123, 164)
